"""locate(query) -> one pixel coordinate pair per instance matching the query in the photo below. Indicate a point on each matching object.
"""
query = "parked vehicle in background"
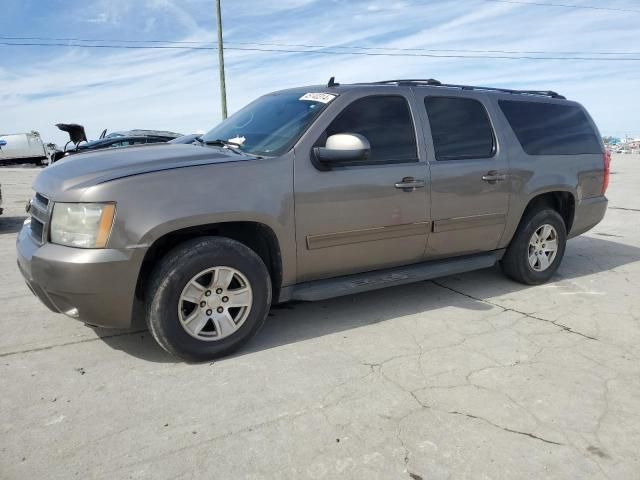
(186, 139)
(22, 148)
(312, 193)
(112, 142)
(78, 140)
(143, 133)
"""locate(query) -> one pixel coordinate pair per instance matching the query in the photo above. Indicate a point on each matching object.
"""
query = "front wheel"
(207, 297)
(536, 250)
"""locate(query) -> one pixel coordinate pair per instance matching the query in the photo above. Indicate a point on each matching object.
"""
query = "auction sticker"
(318, 97)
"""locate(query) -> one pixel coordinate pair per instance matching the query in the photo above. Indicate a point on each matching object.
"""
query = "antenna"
(332, 82)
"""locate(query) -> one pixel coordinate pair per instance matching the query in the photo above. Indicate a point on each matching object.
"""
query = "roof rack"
(435, 83)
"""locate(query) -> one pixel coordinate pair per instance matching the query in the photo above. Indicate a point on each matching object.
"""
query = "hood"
(75, 131)
(88, 169)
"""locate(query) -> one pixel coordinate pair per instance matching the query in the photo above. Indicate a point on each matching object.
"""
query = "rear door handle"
(492, 176)
(409, 184)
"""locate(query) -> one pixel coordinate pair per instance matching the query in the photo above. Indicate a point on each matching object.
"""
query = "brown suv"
(311, 193)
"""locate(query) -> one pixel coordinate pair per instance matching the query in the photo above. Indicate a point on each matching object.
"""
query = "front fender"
(152, 205)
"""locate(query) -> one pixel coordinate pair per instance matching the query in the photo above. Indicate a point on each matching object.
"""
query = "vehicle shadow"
(300, 321)
(10, 224)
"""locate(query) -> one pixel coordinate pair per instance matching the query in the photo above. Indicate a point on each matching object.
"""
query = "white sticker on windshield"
(237, 140)
(318, 97)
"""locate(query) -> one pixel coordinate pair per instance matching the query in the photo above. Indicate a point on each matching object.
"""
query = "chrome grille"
(40, 212)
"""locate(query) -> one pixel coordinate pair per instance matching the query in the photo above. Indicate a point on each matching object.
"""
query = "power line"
(357, 47)
(375, 54)
(320, 52)
(128, 47)
(379, 54)
(339, 47)
(564, 5)
(101, 40)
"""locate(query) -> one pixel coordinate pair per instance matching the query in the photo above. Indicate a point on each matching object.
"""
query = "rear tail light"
(607, 168)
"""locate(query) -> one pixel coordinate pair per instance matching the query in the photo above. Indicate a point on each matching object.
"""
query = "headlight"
(84, 225)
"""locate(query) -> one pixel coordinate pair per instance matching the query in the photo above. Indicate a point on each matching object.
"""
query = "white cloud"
(100, 18)
(104, 12)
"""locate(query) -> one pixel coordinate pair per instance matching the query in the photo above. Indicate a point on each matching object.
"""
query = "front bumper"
(94, 286)
(589, 212)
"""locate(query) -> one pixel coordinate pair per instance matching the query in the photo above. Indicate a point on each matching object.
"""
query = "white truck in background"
(22, 148)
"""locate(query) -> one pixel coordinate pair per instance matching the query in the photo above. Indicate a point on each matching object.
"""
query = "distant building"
(616, 145)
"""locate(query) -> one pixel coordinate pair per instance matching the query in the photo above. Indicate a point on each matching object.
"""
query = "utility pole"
(223, 88)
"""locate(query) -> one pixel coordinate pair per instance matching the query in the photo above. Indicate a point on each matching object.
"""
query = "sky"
(178, 90)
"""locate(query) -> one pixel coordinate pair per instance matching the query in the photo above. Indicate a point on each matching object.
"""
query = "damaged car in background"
(78, 142)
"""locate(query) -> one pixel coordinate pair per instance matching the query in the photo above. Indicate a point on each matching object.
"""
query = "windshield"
(271, 124)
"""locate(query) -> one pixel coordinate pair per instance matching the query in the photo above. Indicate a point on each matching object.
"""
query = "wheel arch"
(561, 199)
(257, 236)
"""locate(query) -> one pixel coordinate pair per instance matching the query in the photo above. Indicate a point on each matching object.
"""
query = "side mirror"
(341, 148)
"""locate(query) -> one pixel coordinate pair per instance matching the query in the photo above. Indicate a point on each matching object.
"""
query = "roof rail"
(435, 83)
(428, 81)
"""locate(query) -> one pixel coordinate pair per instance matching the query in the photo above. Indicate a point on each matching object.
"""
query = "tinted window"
(383, 120)
(460, 128)
(551, 128)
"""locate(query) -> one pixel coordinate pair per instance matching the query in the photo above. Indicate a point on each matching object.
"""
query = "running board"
(389, 277)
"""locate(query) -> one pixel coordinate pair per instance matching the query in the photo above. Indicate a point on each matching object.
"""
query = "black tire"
(173, 273)
(515, 263)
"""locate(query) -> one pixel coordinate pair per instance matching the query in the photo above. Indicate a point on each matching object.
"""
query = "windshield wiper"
(234, 147)
(223, 143)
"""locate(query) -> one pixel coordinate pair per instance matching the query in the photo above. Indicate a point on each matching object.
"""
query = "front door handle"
(492, 176)
(409, 184)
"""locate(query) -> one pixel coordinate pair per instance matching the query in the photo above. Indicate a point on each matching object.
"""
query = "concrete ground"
(470, 376)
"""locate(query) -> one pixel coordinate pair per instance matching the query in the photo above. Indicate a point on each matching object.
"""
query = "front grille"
(37, 227)
(42, 199)
(40, 212)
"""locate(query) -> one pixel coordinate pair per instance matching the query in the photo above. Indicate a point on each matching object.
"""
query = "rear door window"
(460, 128)
(551, 128)
(384, 120)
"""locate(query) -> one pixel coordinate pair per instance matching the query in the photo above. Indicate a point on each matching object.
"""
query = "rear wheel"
(537, 248)
(207, 297)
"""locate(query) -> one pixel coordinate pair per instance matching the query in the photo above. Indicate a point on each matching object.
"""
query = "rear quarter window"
(550, 128)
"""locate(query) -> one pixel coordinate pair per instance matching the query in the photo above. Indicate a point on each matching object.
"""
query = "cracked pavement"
(468, 376)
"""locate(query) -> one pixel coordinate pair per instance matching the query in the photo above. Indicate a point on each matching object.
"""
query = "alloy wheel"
(543, 248)
(215, 303)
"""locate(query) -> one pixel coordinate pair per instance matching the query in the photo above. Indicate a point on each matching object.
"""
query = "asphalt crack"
(528, 315)
(506, 429)
(86, 340)
(625, 209)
